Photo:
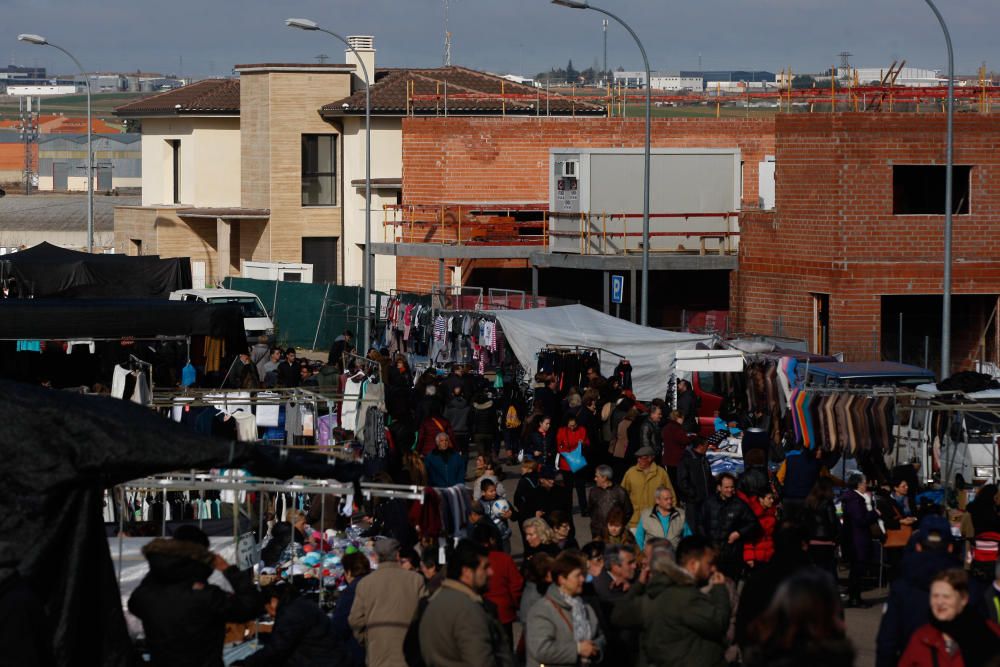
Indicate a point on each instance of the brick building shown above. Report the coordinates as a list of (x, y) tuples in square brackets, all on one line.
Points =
[(498, 160), (856, 237)]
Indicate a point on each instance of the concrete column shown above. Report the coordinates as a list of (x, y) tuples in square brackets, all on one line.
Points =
[(607, 292), (633, 290), (222, 243), (534, 282), (441, 272)]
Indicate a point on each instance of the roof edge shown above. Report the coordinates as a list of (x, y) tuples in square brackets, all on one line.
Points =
[(260, 68)]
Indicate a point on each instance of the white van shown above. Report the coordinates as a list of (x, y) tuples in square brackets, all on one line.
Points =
[(255, 318), (969, 445)]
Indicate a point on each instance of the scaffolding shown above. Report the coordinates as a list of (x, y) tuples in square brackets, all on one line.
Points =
[(468, 223), (886, 95)]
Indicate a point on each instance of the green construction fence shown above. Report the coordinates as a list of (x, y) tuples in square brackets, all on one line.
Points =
[(311, 315)]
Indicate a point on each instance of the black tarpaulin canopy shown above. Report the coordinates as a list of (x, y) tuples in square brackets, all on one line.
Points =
[(46, 271), (60, 450), (71, 319)]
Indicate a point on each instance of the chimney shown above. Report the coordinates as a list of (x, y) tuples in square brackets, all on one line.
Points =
[(365, 46)]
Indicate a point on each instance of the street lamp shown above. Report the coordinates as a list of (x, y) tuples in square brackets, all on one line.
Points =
[(949, 144), (367, 268), (41, 41), (576, 4)]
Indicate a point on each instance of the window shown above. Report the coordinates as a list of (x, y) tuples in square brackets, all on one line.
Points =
[(319, 169), (706, 382), (821, 323), (919, 189), (175, 168), (250, 306)]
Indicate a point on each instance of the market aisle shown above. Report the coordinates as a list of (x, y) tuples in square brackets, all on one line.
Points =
[(862, 624)]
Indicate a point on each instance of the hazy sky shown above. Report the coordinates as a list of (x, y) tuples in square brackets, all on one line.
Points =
[(520, 36)]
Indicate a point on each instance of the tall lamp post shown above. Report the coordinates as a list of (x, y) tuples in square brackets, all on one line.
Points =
[(41, 41), (644, 295), (367, 265), (949, 145)]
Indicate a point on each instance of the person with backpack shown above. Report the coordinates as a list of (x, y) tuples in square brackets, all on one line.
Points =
[(430, 427), (513, 408)]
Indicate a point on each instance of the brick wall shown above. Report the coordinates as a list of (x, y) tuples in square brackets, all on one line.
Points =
[(507, 159), (833, 230)]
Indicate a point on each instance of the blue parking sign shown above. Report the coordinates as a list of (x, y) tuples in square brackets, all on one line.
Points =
[(617, 288)]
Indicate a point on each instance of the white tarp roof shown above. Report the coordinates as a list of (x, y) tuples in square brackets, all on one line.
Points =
[(650, 351)]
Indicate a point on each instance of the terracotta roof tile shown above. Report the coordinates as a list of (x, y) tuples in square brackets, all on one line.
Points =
[(209, 96), (389, 95)]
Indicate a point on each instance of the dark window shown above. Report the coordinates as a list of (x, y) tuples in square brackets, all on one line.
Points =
[(706, 381), (319, 169), (321, 252), (175, 159), (919, 189), (821, 323)]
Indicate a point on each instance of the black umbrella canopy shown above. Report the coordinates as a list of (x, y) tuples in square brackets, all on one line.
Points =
[(60, 450)]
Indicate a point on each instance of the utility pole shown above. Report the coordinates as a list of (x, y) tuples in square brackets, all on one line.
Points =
[(604, 75), (29, 135)]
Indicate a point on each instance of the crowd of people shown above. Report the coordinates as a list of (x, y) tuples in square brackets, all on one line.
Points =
[(682, 566)]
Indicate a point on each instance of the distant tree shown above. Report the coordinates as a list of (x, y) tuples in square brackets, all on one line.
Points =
[(803, 81), (571, 73)]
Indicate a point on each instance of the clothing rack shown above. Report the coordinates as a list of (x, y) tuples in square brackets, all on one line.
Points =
[(872, 392), (99, 339), (195, 481), (370, 363), (481, 314), (136, 361), (580, 348), (404, 491)]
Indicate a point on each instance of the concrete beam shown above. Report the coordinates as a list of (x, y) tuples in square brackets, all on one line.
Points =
[(544, 260), (222, 239)]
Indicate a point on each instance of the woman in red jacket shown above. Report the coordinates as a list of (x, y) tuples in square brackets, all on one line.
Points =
[(956, 636), (761, 550), (568, 438)]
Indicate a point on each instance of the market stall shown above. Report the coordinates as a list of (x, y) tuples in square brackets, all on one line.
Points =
[(47, 271), (650, 351)]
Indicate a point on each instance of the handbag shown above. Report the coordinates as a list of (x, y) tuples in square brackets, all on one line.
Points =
[(575, 459)]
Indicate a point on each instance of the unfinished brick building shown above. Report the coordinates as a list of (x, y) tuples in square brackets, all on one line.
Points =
[(851, 256), (452, 165)]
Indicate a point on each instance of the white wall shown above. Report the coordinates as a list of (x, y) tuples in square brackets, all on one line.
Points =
[(387, 162), (210, 161)]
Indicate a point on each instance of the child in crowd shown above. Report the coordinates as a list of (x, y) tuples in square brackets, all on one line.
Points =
[(486, 469), (615, 531), (498, 510)]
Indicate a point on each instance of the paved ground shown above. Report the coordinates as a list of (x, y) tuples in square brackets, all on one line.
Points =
[(862, 624)]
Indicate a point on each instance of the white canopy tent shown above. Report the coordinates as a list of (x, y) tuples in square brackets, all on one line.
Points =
[(650, 351)]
